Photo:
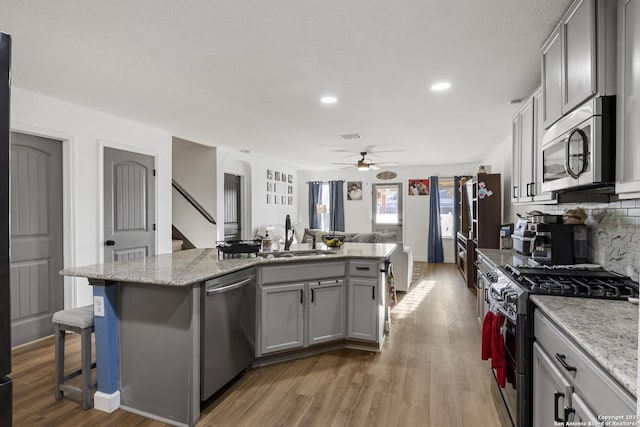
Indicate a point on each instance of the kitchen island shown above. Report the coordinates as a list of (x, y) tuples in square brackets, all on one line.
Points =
[(150, 332)]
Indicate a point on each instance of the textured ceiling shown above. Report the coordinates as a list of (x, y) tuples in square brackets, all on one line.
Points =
[(248, 74)]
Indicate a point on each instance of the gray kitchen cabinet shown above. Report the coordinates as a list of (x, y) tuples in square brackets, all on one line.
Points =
[(538, 133), (582, 413), (628, 125), (282, 317), (552, 78), (327, 311), (578, 58), (363, 309), (527, 132), (564, 373), (523, 178), (551, 390)]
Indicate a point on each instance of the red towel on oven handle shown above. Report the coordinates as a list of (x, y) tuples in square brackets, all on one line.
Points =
[(498, 354), (487, 328)]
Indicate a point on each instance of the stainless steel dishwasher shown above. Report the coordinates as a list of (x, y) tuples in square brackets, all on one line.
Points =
[(228, 329)]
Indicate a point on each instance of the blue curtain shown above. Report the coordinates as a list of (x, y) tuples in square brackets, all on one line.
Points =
[(315, 197), (336, 201), (435, 252), (456, 214)]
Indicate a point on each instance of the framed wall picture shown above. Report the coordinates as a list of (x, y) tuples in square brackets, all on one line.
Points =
[(290, 179), (283, 177), (290, 200), (419, 187), (354, 190), (283, 200), (290, 189), (269, 186), (277, 176), (269, 198), (269, 174)]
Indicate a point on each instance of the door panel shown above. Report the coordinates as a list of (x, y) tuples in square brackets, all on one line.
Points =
[(129, 205), (36, 236), (387, 209)]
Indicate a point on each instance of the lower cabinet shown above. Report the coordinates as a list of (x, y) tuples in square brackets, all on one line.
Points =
[(551, 391), (282, 318), (327, 311), (363, 309), (296, 315), (568, 385)]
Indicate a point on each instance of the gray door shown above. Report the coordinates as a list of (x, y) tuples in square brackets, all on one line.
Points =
[(232, 212), (387, 209), (37, 289), (129, 205)]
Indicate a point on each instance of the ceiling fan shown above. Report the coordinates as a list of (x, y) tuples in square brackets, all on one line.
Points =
[(365, 164)]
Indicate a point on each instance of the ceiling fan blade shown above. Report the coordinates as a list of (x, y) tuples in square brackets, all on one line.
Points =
[(375, 168), (386, 163), (343, 163)]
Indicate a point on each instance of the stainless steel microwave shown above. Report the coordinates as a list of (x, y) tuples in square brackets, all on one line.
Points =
[(579, 150)]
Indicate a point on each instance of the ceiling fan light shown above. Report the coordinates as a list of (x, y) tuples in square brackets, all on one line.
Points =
[(363, 166)]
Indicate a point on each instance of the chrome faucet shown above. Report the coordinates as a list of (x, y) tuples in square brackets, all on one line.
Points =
[(287, 228)]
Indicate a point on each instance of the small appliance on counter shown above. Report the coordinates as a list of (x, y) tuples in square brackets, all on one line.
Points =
[(560, 244), (506, 241), (523, 238)]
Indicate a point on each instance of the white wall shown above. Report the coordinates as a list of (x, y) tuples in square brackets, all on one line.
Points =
[(253, 170), (85, 132), (358, 213), (194, 168)]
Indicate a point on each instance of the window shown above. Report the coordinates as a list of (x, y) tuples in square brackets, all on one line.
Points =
[(447, 190), (324, 208)]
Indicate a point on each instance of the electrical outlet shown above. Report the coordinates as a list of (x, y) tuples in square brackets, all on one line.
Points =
[(98, 306)]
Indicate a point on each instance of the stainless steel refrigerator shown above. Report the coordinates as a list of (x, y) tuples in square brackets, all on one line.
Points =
[(6, 385)]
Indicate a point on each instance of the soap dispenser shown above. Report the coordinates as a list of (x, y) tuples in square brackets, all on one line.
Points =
[(266, 242)]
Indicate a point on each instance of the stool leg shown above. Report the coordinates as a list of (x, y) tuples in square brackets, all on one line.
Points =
[(59, 344), (86, 368)]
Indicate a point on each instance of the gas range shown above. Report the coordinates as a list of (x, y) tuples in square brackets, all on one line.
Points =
[(508, 295)]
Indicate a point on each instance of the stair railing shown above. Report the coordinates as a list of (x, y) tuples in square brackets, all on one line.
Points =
[(189, 198)]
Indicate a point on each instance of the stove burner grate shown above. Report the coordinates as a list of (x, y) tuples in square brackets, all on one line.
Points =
[(573, 282)]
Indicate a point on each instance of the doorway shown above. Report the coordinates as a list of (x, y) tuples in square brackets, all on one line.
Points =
[(129, 205), (387, 209), (37, 290), (232, 207)]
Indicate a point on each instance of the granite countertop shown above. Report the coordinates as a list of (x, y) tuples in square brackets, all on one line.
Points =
[(612, 342), (191, 266), (502, 257)]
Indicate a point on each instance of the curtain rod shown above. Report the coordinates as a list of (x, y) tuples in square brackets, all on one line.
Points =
[(324, 182)]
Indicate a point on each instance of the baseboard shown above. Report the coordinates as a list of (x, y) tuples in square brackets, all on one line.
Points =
[(106, 402)]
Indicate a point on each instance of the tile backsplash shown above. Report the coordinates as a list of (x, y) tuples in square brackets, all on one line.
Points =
[(614, 232)]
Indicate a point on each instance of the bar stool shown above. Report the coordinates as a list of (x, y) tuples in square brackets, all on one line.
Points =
[(80, 321)]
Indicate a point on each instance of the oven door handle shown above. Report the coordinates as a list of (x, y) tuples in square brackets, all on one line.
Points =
[(507, 314)]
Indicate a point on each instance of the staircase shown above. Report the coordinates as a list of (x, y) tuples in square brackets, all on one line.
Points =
[(176, 245)]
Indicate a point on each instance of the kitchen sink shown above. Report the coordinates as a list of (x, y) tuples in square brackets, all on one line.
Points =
[(296, 254)]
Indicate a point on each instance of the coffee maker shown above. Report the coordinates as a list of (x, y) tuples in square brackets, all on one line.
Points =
[(559, 244)]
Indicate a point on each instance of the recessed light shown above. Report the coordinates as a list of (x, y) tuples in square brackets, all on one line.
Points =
[(440, 86), (328, 99)]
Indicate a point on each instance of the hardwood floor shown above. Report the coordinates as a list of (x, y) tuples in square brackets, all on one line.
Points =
[(428, 374)]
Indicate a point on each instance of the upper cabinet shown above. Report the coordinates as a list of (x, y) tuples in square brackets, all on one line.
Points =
[(578, 58), (527, 131), (522, 161), (552, 78), (628, 125)]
